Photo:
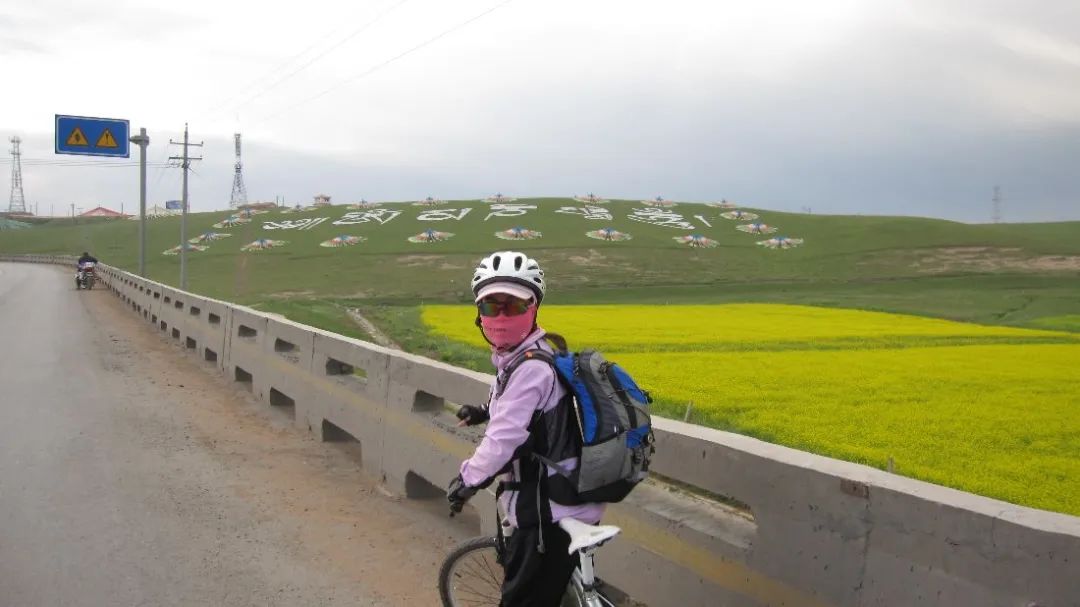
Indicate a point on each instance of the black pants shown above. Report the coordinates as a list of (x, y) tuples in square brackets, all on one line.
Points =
[(533, 579)]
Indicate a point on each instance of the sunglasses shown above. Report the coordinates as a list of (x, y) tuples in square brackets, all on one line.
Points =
[(512, 306)]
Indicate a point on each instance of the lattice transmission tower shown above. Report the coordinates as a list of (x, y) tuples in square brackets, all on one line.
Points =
[(239, 192), (18, 199)]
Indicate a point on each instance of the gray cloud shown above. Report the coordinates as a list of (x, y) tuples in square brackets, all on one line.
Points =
[(921, 112)]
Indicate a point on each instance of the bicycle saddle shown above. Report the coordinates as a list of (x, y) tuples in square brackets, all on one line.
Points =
[(583, 535)]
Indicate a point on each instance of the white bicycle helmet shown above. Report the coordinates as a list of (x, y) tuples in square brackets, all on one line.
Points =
[(511, 267)]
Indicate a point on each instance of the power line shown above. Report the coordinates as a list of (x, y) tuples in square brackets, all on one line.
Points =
[(84, 164), (380, 66), (326, 52), (277, 67)]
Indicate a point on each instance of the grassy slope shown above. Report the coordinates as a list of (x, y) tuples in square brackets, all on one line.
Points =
[(875, 263), (880, 263)]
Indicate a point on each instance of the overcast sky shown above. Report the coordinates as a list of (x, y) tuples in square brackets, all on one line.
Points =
[(915, 107)]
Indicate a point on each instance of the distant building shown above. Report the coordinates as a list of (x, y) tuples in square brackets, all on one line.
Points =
[(158, 211), (322, 200), (102, 212)]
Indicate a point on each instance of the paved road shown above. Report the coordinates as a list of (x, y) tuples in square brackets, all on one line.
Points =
[(131, 476)]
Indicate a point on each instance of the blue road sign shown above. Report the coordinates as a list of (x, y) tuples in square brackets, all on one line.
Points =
[(91, 136)]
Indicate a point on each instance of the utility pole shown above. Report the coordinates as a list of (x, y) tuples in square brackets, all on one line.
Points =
[(186, 166), (142, 141), (997, 204)]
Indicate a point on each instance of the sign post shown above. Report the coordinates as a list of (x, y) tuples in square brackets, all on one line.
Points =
[(142, 141)]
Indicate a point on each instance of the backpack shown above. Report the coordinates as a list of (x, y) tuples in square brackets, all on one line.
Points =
[(612, 420)]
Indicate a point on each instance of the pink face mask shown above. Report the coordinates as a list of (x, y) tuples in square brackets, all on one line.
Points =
[(506, 332)]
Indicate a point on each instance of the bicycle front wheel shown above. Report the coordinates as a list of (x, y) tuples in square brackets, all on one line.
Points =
[(471, 575)]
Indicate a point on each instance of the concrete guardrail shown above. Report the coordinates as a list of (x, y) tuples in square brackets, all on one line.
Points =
[(819, 532)]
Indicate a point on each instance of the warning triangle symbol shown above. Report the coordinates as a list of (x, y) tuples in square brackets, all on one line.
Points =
[(106, 140), (77, 138)]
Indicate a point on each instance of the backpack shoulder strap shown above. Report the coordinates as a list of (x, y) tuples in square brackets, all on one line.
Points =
[(520, 359)]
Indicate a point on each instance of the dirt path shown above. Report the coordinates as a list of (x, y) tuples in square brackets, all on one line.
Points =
[(369, 327)]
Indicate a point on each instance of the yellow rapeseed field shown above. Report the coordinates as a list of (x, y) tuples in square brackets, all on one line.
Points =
[(998, 414)]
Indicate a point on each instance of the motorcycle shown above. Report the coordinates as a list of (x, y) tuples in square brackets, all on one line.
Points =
[(86, 276)]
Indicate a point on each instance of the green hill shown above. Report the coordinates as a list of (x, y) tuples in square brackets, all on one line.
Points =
[(874, 389), (1004, 273)]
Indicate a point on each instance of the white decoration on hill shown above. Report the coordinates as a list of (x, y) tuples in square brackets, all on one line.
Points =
[(509, 210), (588, 212), (379, 216), (443, 214)]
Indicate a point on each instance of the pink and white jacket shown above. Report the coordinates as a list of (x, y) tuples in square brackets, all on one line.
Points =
[(532, 387)]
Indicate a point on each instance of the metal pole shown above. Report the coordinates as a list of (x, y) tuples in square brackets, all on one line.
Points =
[(183, 218), (142, 141)]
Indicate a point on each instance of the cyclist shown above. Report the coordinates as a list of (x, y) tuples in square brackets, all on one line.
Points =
[(527, 412), (86, 258)]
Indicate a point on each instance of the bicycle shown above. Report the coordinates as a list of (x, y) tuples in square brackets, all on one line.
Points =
[(471, 575)]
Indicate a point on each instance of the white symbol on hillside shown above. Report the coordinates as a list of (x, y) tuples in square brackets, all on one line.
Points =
[(661, 217), (188, 246), (208, 237), (587, 212), (379, 216), (781, 242), (363, 205), (518, 234), (231, 221), (429, 236), (499, 199), (609, 234), (262, 244), (659, 203), (696, 241), (590, 198), (756, 228), (723, 204), (509, 210), (342, 241), (294, 224), (443, 214)]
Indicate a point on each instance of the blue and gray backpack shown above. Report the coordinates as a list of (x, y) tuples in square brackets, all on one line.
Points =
[(611, 419)]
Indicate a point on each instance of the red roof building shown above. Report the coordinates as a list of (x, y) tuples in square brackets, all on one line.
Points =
[(102, 212)]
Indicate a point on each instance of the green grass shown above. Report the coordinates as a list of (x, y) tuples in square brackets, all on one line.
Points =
[(1009, 275), (982, 273), (327, 315), (1068, 322)]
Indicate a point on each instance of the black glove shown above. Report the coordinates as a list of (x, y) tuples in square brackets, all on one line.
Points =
[(473, 415), (458, 493)]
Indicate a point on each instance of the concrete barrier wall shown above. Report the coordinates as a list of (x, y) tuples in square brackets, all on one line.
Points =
[(818, 531)]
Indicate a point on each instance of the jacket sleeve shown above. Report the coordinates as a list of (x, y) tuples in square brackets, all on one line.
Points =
[(526, 391)]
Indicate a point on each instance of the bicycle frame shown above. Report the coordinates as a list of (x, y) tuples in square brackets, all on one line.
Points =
[(584, 578), (583, 589)]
